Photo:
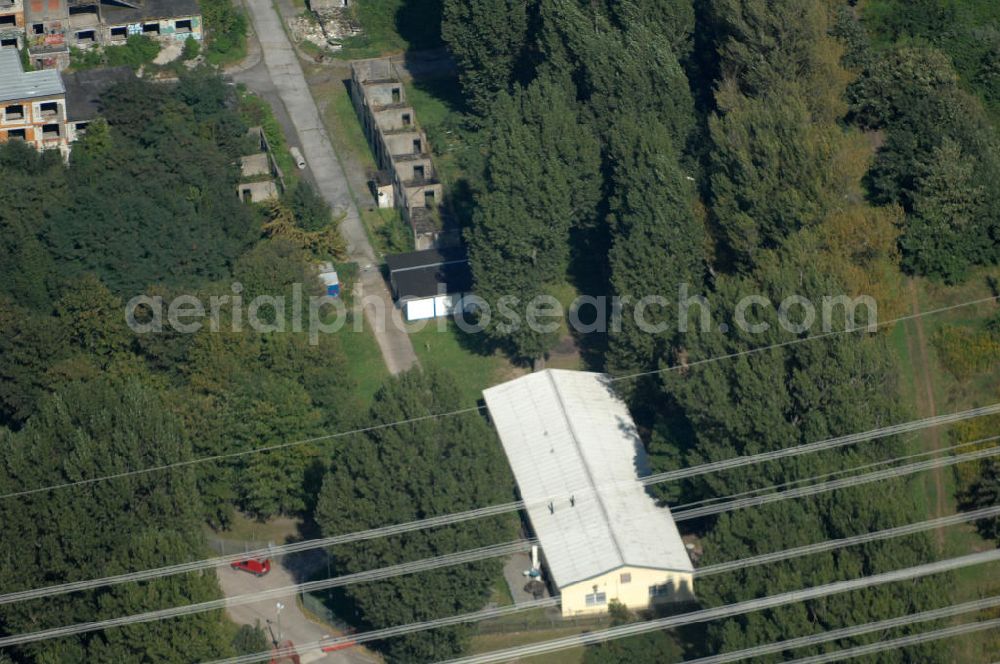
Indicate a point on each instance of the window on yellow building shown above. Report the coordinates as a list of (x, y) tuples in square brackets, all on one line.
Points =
[(660, 590), (596, 599), (626, 577)]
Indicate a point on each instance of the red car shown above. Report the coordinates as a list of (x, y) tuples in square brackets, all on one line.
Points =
[(254, 566)]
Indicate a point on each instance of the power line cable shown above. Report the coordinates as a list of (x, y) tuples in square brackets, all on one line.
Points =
[(801, 340), (901, 642), (424, 565), (848, 632), (822, 445), (388, 632), (269, 552), (723, 658), (682, 514), (704, 615), (492, 510), (342, 434), (233, 455), (486, 614), (837, 473), (830, 545), (359, 577)]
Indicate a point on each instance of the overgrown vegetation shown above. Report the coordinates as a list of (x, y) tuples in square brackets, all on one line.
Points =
[(968, 31), (226, 26), (939, 161), (133, 213), (967, 352), (393, 26), (733, 156), (255, 112), (138, 50), (192, 47), (435, 466)]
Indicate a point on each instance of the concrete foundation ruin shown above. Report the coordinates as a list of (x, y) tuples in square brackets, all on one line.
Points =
[(401, 151)]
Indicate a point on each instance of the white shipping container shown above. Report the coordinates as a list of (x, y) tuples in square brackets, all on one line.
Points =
[(419, 309)]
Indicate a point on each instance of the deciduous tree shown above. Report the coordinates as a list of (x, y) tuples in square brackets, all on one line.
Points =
[(128, 523)]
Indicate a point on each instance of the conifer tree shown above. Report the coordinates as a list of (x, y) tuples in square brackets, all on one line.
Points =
[(657, 242), (778, 399), (542, 181), (395, 474), (487, 38)]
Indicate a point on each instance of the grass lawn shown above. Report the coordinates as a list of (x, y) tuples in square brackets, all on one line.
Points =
[(311, 49), (364, 359), (501, 592), (487, 642), (950, 395), (343, 124), (437, 103), (236, 54), (247, 529), (440, 343), (391, 26)]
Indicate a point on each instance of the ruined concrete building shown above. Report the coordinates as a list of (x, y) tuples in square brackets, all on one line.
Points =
[(50, 27), (83, 95), (408, 180), (34, 105), (11, 23), (47, 109), (325, 5), (261, 179)]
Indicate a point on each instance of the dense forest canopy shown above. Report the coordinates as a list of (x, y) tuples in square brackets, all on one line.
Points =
[(781, 148), (428, 468), (719, 148), (83, 395)]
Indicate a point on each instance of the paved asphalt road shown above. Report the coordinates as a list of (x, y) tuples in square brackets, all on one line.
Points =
[(280, 78), (273, 71), (294, 624)]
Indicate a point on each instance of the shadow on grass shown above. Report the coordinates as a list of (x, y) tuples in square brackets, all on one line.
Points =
[(445, 88), (418, 22), (588, 273)]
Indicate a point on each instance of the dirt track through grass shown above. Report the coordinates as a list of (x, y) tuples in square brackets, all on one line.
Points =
[(925, 403)]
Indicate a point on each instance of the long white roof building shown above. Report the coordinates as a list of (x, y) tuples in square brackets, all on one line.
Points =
[(577, 459)]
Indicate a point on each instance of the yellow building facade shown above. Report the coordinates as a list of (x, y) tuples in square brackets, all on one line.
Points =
[(637, 588), (577, 458)]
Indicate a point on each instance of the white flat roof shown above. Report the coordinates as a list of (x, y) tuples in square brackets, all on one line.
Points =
[(577, 458), (17, 84)]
